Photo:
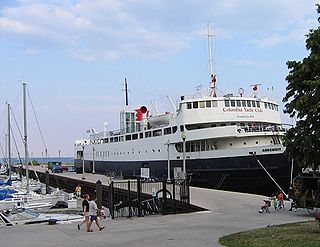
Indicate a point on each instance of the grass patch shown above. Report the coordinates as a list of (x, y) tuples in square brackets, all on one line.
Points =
[(305, 234)]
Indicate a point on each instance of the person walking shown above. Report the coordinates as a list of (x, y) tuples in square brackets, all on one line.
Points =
[(85, 211), (93, 211)]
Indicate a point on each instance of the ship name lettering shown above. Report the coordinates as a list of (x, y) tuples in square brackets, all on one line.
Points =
[(245, 116), (271, 149), (248, 110), (228, 109)]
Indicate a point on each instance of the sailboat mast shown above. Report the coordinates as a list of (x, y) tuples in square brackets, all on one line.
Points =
[(25, 135), (212, 87), (9, 141)]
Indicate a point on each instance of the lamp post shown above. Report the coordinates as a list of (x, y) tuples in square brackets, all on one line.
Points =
[(184, 137), (168, 145), (93, 166), (83, 177)]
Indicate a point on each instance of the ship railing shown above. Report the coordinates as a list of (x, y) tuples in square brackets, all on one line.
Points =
[(262, 128)]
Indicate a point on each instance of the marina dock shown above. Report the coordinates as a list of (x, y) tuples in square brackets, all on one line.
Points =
[(228, 212)]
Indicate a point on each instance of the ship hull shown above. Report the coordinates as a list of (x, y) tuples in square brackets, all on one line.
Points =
[(241, 174)]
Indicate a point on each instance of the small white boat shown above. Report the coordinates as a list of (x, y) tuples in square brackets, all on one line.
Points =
[(34, 205), (33, 200), (27, 216)]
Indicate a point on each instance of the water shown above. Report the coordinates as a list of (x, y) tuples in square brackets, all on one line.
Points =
[(45, 160)]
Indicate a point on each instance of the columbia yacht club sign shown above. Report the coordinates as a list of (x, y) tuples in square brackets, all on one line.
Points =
[(241, 109)]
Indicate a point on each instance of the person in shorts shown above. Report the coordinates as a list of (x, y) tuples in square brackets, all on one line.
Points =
[(93, 212)]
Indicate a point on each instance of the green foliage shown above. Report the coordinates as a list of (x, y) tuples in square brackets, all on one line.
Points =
[(34, 163), (303, 102), (288, 235)]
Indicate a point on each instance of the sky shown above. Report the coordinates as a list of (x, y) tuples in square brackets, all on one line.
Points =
[(75, 54)]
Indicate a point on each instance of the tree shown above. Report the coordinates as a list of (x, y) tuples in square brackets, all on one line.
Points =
[(303, 102)]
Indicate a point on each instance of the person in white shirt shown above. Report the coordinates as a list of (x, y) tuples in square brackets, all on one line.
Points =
[(93, 212)]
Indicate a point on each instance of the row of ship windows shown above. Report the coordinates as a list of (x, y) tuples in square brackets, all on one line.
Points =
[(141, 135), (108, 153), (203, 145), (250, 103), (172, 130), (202, 104), (232, 103), (192, 146)]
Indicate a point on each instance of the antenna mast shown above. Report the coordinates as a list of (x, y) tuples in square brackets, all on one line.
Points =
[(212, 87), (126, 90)]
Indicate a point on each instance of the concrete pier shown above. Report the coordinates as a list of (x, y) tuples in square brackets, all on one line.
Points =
[(229, 212)]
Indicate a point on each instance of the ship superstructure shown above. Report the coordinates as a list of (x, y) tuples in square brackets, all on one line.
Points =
[(221, 136)]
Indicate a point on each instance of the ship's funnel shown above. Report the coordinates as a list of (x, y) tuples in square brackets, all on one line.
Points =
[(143, 109)]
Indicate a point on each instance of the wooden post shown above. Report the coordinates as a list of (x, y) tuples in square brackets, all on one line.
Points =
[(129, 200), (47, 181), (174, 196), (99, 193), (139, 197), (164, 197), (110, 201)]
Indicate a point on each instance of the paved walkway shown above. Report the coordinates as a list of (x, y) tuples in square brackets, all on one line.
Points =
[(228, 213)]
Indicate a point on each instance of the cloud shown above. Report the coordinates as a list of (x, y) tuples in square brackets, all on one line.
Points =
[(253, 63), (90, 30), (295, 35)]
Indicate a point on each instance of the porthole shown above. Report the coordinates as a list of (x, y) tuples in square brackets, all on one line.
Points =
[(257, 142), (244, 143), (230, 144)]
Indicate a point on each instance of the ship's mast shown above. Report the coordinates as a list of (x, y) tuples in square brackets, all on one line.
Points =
[(212, 87), (126, 90)]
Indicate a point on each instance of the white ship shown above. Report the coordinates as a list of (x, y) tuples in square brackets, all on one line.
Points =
[(230, 142)]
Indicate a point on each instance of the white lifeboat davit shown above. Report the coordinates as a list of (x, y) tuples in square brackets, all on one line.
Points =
[(160, 120)]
